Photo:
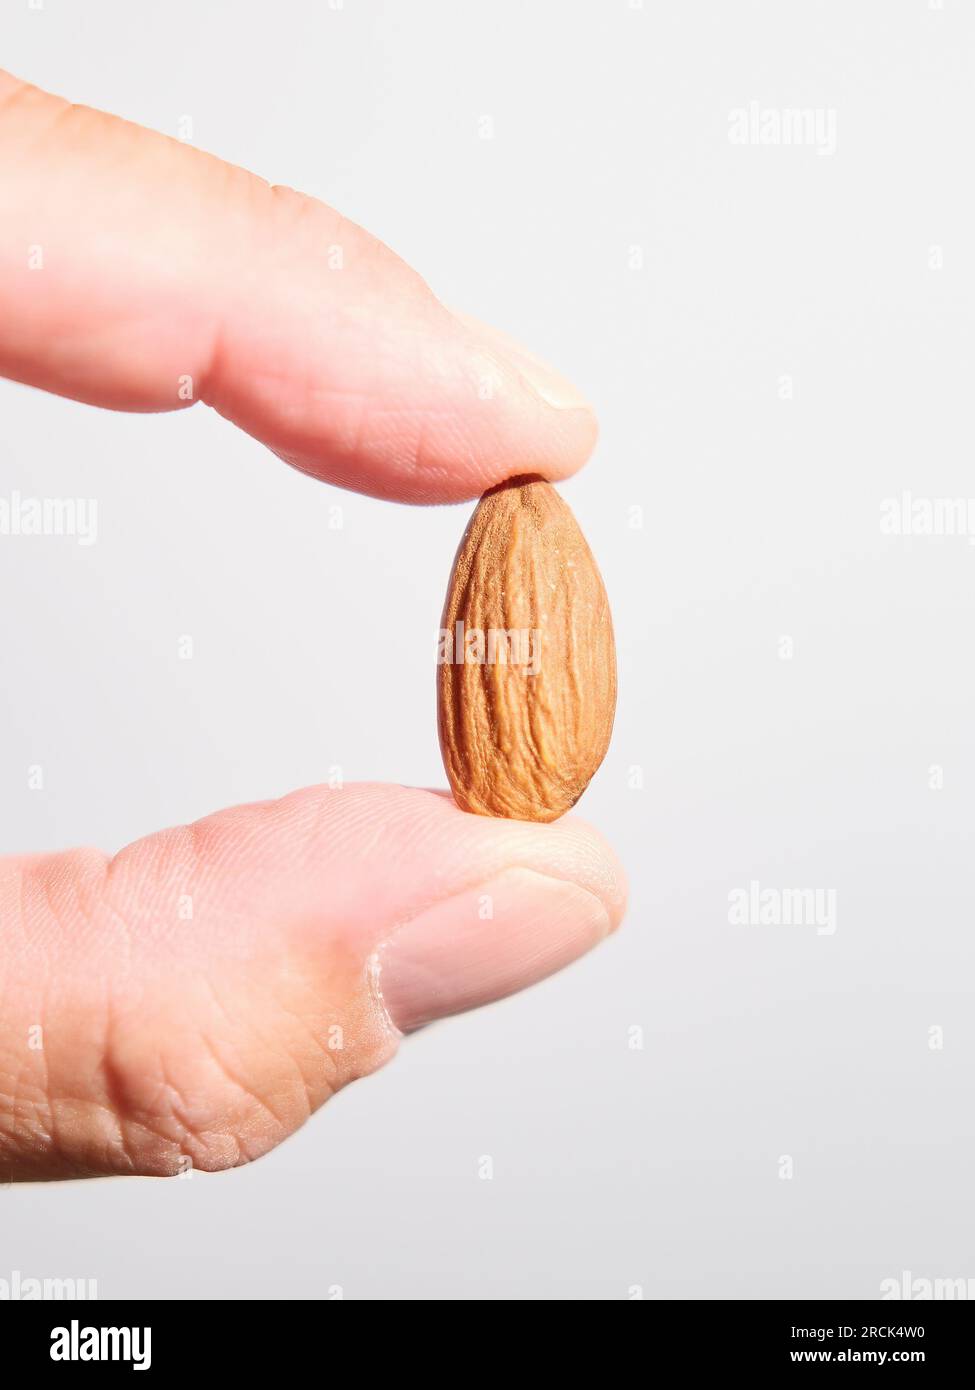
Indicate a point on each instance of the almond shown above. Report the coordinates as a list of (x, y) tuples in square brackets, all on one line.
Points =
[(527, 660)]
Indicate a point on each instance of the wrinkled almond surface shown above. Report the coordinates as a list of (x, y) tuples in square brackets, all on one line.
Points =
[(527, 661)]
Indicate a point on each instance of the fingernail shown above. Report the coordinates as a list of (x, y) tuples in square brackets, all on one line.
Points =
[(545, 381), (484, 944), (552, 386)]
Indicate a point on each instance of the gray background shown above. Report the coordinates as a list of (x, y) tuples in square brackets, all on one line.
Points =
[(615, 1167)]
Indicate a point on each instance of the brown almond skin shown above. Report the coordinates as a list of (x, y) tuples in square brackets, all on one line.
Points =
[(517, 744)]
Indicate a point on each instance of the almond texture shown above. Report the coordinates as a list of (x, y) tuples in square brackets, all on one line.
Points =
[(527, 660)]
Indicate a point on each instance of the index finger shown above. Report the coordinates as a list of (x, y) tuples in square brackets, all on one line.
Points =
[(138, 273)]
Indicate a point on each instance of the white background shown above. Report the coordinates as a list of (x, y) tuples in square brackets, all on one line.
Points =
[(614, 1167)]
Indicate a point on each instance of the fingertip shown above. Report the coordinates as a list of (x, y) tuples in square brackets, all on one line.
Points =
[(559, 424), (568, 849)]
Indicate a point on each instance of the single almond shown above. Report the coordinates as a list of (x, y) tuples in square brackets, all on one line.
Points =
[(527, 661)]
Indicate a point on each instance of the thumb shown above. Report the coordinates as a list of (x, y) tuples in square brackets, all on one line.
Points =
[(194, 999)]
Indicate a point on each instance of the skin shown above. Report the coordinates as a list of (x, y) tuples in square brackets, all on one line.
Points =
[(135, 1038)]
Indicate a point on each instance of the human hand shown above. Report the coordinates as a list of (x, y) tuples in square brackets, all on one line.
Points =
[(194, 998)]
